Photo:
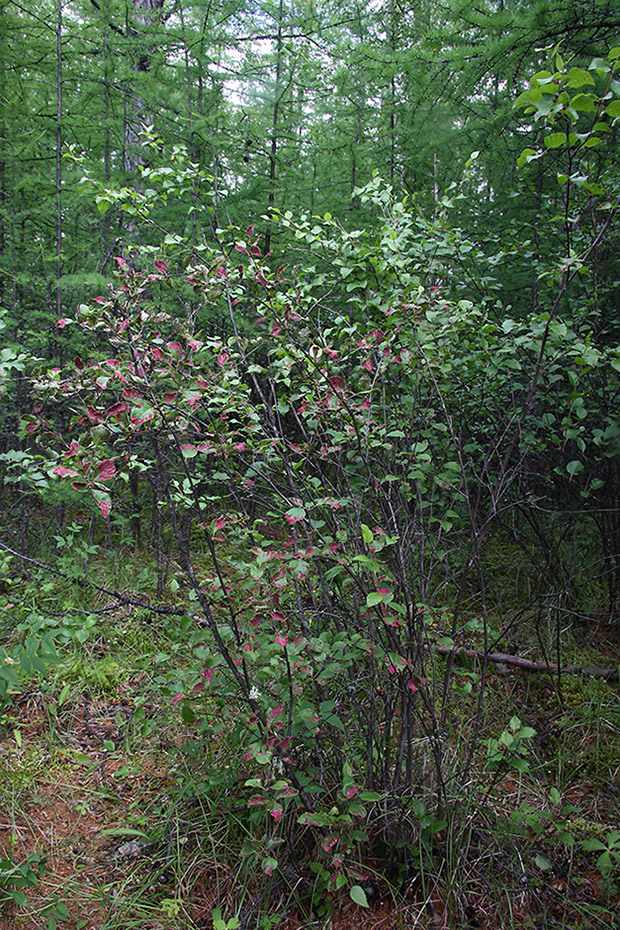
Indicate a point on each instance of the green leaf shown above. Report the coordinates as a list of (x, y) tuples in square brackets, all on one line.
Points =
[(542, 862), (593, 845), (583, 102), (613, 108), (555, 140), (367, 534), (599, 64), (358, 895), (577, 77)]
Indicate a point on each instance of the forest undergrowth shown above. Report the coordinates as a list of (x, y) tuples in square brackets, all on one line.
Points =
[(118, 812)]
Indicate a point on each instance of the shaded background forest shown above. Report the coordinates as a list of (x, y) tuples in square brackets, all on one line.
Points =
[(286, 105)]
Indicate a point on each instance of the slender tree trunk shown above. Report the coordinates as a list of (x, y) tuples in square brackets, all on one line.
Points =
[(274, 122), (58, 296), (358, 128), (190, 118)]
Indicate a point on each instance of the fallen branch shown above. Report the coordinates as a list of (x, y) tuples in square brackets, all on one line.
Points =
[(122, 599), (502, 658)]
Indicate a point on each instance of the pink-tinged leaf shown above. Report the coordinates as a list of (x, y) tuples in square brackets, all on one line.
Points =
[(222, 359), (367, 364), (281, 640), (123, 325), (178, 697), (220, 271), (157, 354), (79, 364), (74, 449), (103, 502), (188, 450), (79, 485), (351, 792), (93, 415), (207, 674), (276, 811), (161, 267), (31, 427), (412, 685), (175, 348), (261, 279), (336, 382), (195, 344), (121, 262), (106, 470), (64, 472), (220, 522), (62, 323), (275, 712), (141, 413), (116, 409), (241, 248)]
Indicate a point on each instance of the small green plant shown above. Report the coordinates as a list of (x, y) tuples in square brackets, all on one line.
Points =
[(608, 861), (15, 876), (220, 924), (509, 751)]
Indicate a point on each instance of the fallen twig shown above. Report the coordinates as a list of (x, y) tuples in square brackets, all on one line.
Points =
[(502, 658)]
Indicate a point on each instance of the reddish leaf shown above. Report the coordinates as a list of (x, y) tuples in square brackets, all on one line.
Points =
[(116, 409), (106, 470), (161, 267), (64, 472), (103, 502)]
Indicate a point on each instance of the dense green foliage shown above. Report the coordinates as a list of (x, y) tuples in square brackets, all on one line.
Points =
[(345, 367)]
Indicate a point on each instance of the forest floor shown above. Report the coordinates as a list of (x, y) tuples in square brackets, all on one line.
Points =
[(102, 824)]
